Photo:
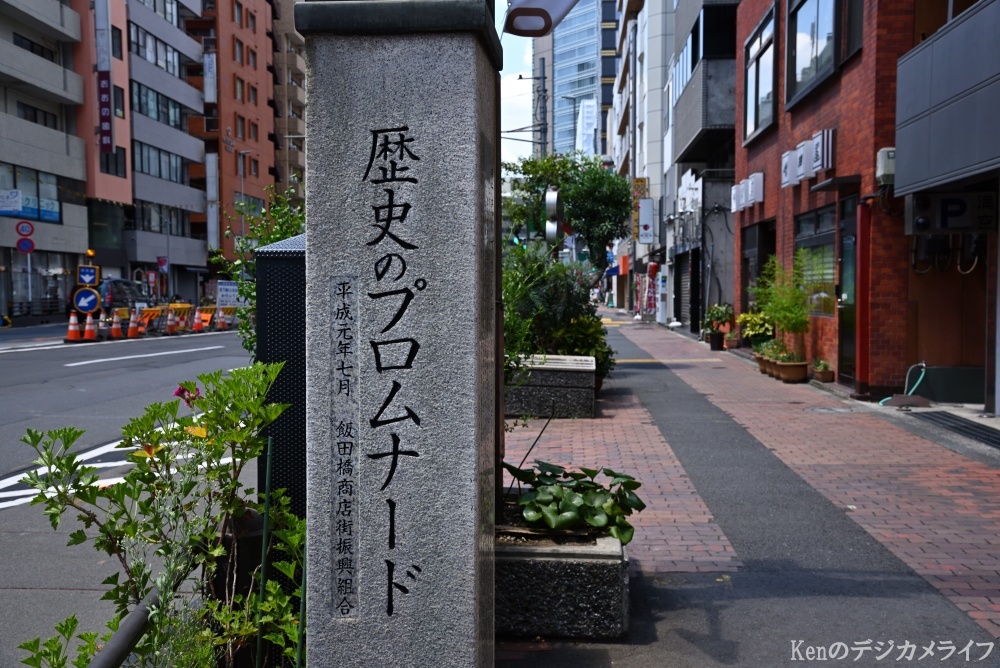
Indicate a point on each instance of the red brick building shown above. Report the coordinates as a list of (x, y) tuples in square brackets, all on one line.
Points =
[(816, 104), (238, 125)]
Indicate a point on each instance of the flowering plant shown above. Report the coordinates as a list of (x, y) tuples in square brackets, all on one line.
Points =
[(173, 524)]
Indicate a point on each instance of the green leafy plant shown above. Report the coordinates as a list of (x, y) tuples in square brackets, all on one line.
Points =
[(174, 521), (547, 310), (278, 221), (561, 499), (782, 296), (821, 365), (717, 316), (772, 349), (754, 325), (597, 201)]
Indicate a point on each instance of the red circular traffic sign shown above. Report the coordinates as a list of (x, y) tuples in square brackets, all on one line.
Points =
[(25, 245), (24, 228)]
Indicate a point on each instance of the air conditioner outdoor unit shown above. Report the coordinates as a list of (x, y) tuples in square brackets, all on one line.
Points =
[(885, 166)]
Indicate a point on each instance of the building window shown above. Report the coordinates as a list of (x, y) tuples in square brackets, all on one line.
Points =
[(116, 42), (151, 104), (759, 92), (811, 41), (241, 127), (239, 89), (254, 167), (39, 192), (718, 32), (252, 58), (155, 162), (160, 218), (119, 102), (815, 236), (34, 47), (252, 21), (153, 50), (114, 163), (853, 19), (238, 51), (253, 130), (238, 12), (36, 115), (253, 95)]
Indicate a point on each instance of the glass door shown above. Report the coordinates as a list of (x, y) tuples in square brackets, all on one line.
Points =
[(846, 306)]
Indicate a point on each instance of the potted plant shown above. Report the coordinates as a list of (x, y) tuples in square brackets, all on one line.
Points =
[(755, 327), (563, 518), (732, 340), (786, 300), (822, 371), (790, 370), (718, 318)]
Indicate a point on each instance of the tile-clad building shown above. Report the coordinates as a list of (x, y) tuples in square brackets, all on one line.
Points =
[(237, 81), (42, 160), (161, 244), (815, 133), (290, 104), (948, 172)]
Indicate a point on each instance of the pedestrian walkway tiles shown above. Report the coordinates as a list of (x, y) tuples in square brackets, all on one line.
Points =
[(936, 510), (676, 532)]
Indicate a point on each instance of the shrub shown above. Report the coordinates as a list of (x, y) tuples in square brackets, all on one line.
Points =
[(169, 523), (547, 310)]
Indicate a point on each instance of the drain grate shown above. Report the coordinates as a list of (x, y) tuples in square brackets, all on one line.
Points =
[(961, 426)]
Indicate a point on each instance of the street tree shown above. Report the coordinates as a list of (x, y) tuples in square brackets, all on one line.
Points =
[(280, 219), (597, 201)]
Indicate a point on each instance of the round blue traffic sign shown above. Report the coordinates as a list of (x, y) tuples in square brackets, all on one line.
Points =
[(86, 300), (25, 245)]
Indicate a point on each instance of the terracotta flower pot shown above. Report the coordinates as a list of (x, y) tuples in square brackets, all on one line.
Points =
[(825, 376), (793, 372)]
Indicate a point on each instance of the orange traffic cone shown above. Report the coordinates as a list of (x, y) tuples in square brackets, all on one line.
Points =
[(182, 323), (196, 326), (116, 327), (73, 334), (220, 320), (133, 326), (171, 323), (90, 332)]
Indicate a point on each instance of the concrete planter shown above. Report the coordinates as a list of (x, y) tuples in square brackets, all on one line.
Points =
[(567, 381), (567, 591)]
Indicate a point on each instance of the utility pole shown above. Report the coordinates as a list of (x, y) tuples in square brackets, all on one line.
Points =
[(543, 125)]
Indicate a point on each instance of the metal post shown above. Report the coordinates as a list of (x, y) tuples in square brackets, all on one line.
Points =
[(243, 207)]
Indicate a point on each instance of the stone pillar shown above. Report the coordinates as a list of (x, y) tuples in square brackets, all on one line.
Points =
[(401, 240)]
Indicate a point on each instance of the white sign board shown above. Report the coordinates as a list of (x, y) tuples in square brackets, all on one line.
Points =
[(226, 294), (10, 201)]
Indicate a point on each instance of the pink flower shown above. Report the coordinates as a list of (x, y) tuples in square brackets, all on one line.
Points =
[(187, 395)]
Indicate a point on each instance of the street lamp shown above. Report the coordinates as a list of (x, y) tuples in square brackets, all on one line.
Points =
[(243, 203)]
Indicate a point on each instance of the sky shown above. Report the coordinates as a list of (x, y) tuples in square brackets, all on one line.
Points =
[(515, 96)]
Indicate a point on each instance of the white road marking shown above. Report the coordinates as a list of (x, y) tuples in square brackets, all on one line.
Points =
[(132, 357)]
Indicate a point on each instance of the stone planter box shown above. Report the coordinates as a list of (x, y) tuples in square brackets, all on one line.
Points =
[(566, 591), (567, 380)]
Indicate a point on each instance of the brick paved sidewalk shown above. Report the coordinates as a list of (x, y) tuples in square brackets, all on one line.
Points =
[(936, 510), (676, 532)]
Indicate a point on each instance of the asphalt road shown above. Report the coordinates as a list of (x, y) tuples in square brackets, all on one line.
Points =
[(45, 384)]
